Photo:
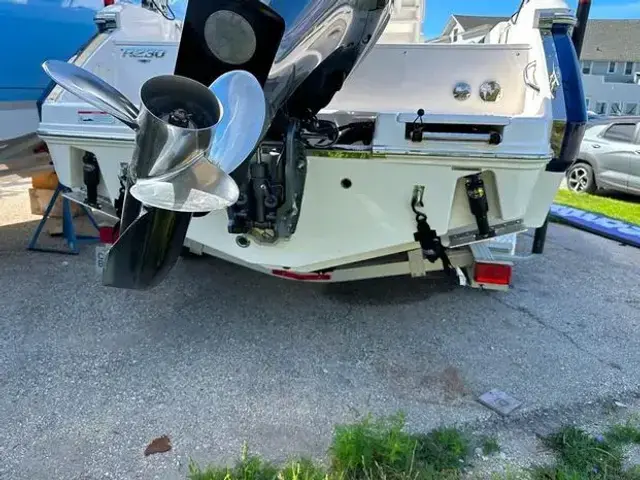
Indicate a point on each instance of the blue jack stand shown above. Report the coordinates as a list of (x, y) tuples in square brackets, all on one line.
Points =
[(68, 229)]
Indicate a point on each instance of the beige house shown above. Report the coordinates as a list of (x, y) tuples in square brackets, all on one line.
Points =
[(466, 29)]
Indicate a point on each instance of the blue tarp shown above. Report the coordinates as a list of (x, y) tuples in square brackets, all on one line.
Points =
[(602, 225), (32, 31)]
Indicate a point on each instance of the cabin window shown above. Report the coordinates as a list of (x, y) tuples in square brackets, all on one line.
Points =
[(601, 108), (628, 68), (615, 109), (455, 34), (630, 108), (586, 68), (621, 132), (612, 67)]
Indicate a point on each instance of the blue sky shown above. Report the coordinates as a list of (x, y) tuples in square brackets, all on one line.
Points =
[(438, 11)]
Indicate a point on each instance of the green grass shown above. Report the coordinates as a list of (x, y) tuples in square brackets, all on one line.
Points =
[(372, 449), (380, 449), (619, 209), (585, 457), (628, 433), (490, 446), (582, 456)]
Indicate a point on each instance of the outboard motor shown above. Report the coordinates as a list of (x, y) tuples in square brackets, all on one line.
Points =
[(245, 71)]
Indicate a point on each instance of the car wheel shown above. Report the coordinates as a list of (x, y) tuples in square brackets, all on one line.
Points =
[(580, 178)]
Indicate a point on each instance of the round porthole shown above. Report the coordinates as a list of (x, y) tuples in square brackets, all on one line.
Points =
[(345, 183)]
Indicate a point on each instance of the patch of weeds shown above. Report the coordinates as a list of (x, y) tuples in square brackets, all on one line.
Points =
[(624, 434), (490, 445), (583, 457), (372, 443), (249, 467), (444, 449), (381, 449), (556, 473), (254, 468), (372, 449), (303, 470)]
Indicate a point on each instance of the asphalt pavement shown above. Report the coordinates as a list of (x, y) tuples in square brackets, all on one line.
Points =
[(218, 355)]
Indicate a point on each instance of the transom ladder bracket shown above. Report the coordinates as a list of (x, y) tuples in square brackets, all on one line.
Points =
[(69, 234), (482, 252)]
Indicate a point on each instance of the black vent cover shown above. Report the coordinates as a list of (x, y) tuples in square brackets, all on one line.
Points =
[(223, 35)]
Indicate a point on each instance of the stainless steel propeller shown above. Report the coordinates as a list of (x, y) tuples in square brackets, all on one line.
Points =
[(228, 122), (188, 139)]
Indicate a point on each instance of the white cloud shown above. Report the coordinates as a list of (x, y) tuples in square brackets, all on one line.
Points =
[(617, 10)]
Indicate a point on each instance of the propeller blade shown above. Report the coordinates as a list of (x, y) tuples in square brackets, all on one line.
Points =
[(243, 121), (92, 89), (201, 187)]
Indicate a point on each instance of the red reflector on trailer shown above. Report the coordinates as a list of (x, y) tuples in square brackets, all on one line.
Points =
[(301, 276), (492, 273), (108, 234), (41, 148), (108, 2)]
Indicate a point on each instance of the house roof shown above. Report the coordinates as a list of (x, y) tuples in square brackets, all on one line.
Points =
[(612, 40), (438, 39), (605, 40), (471, 21), (482, 30), (471, 26)]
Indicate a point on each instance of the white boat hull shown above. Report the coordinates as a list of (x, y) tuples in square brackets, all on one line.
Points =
[(370, 219)]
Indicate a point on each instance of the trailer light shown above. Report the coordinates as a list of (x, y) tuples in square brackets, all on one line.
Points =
[(493, 273), (108, 234), (307, 277)]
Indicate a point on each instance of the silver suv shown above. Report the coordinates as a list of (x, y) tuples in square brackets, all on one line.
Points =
[(609, 157)]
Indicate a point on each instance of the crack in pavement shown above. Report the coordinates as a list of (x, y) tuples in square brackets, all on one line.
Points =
[(571, 340)]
